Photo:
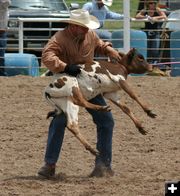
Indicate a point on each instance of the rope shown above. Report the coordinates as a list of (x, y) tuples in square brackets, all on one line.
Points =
[(166, 63)]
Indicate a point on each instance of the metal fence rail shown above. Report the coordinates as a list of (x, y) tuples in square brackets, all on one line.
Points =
[(21, 39)]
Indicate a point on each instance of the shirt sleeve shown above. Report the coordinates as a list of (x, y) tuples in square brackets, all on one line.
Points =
[(50, 56), (101, 46), (114, 15)]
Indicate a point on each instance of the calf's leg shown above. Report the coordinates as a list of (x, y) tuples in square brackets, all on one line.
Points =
[(127, 111), (74, 128), (72, 124), (114, 98), (71, 110), (79, 99), (124, 85)]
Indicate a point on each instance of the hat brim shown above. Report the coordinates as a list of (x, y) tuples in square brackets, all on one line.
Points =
[(107, 3), (92, 24)]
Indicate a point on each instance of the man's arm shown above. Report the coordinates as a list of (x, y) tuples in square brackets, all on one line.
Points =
[(140, 14), (50, 56), (105, 48), (114, 15)]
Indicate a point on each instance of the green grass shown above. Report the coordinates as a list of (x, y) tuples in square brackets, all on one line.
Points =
[(42, 70)]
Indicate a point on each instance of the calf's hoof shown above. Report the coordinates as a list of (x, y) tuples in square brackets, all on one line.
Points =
[(151, 114), (92, 151), (142, 130), (51, 114), (106, 108)]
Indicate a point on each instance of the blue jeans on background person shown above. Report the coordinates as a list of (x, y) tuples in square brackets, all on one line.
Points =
[(152, 46), (104, 34), (104, 122), (3, 42)]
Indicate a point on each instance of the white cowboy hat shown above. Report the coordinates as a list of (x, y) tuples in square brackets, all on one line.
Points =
[(82, 18), (107, 2)]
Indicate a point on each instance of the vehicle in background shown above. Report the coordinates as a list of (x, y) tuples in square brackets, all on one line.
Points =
[(36, 34), (169, 5), (172, 25)]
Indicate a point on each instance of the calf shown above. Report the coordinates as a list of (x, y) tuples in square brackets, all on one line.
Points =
[(67, 93)]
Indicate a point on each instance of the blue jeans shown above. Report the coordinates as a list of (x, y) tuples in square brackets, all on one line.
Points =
[(153, 47), (104, 122), (104, 34), (3, 41)]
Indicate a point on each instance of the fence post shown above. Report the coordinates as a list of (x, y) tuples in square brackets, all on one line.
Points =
[(126, 25), (21, 39)]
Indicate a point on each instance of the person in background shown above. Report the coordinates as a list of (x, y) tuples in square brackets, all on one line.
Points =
[(99, 9), (162, 4), (74, 45), (4, 4), (153, 13), (141, 5)]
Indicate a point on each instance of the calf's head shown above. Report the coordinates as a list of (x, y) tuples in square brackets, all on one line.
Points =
[(135, 62)]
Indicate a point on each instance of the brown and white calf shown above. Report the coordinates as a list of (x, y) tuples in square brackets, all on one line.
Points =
[(67, 93)]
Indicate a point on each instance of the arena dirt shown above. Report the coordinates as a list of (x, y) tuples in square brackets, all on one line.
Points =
[(141, 163)]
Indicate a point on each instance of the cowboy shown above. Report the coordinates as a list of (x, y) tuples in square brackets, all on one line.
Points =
[(74, 45), (99, 9)]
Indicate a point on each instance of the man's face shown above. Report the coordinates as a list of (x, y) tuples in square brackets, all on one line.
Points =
[(100, 3), (79, 32)]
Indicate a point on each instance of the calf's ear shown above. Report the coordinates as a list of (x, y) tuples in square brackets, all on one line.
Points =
[(131, 54)]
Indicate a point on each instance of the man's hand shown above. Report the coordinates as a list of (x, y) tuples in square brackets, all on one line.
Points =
[(72, 70), (114, 56)]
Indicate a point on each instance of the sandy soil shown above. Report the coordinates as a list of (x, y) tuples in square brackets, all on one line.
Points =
[(142, 164)]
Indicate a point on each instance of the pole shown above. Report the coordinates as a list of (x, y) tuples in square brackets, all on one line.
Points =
[(126, 25), (21, 39)]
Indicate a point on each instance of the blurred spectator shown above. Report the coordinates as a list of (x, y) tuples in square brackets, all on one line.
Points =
[(4, 4), (152, 13), (99, 9), (162, 4), (141, 5)]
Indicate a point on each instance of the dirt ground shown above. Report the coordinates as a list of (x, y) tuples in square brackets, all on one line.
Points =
[(141, 163)]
